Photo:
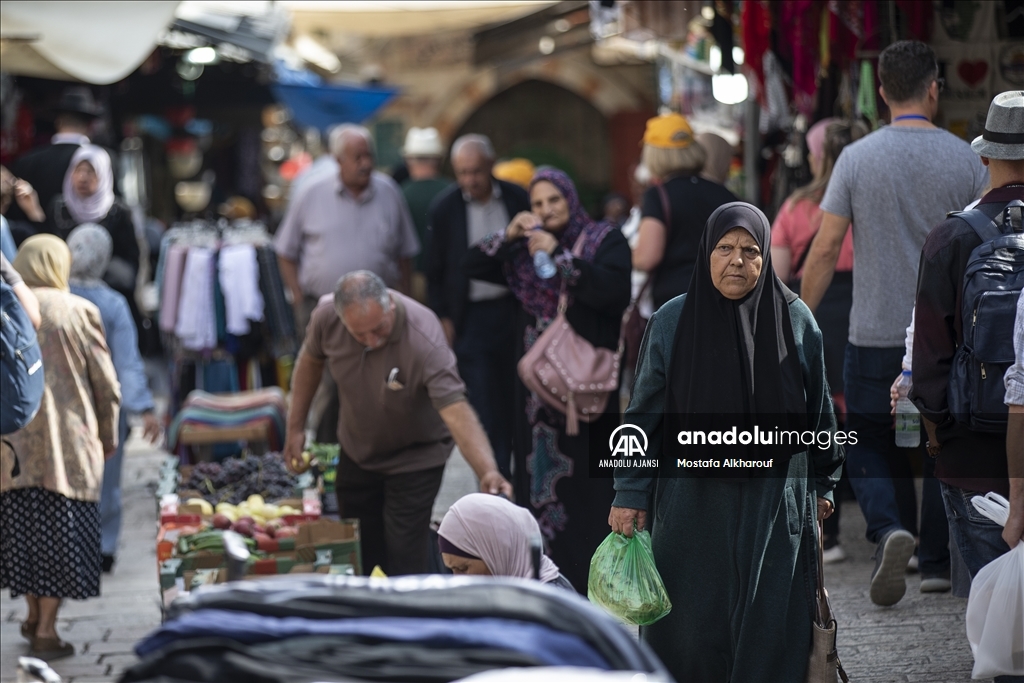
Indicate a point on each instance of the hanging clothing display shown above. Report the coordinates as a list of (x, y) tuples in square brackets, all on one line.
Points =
[(197, 326), (239, 281), (172, 267), (223, 313), (280, 319)]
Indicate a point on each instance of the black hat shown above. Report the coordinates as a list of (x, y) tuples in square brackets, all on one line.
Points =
[(78, 100)]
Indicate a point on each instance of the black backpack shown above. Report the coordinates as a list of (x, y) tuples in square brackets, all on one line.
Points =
[(21, 364), (992, 284)]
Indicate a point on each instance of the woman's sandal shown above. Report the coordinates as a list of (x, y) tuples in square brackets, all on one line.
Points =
[(28, 629), (51, 648)]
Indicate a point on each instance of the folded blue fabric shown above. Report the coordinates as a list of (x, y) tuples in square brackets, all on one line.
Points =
[(553, 648)]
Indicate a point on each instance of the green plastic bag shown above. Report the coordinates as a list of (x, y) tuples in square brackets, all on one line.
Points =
[(624, 581)]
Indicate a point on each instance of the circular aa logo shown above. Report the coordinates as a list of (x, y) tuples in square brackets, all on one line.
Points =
[(626, 441)]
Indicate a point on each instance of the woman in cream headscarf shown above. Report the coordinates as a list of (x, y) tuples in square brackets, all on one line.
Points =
[(487, 535), (50, 471)]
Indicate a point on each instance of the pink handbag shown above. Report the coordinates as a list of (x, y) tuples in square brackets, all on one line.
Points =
[(567, 372)]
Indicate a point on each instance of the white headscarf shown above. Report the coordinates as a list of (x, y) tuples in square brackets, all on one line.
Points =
[(498, 532), (96, 207), (91, 248)]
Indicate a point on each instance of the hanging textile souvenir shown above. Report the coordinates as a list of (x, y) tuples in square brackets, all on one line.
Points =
[(775, 112), (798, 41), (756, 22), (917, 18), (867, 106), (845, 30)]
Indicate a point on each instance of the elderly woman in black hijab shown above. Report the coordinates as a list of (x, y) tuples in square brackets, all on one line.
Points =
[(736, 546)]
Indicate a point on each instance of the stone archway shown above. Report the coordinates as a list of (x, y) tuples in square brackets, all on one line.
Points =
[(548, 124), (603, 88)]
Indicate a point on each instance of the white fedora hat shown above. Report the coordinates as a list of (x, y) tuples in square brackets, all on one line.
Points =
[(423, 142), (1004, 128)]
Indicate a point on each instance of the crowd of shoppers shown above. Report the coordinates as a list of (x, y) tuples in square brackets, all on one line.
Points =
[(403, 359)]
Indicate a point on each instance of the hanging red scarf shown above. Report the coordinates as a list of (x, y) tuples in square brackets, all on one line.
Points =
[(756, 22)]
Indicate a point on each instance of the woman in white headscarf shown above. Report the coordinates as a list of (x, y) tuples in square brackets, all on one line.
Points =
[(487, 535), (88, 197), (91, 248)]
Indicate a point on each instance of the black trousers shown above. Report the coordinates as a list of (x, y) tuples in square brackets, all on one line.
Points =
[(485, 347), (393, 512)]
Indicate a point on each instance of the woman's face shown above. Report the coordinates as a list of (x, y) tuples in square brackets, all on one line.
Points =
[(84, 180), (815, 163), (549, 206), (463, 566), (736, 264)]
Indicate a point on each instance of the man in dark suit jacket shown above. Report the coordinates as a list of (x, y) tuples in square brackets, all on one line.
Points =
[(478, 317), (44, 167)]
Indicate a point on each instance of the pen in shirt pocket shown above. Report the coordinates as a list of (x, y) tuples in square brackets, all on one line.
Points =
[(393, 384)]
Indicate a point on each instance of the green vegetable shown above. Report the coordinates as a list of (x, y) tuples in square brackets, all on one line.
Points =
[(211, 539), (326, 454), (625, 582)]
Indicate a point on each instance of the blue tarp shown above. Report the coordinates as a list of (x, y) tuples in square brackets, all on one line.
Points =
[(323, 106)]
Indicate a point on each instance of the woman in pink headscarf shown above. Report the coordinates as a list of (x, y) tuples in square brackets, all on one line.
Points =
[(792, 233), (88, 197), (485, 535)]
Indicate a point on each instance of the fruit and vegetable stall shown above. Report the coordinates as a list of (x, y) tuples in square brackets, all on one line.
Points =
[(279, 514)]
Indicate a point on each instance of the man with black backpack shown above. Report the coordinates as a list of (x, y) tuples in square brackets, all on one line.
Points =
[(970, 279)]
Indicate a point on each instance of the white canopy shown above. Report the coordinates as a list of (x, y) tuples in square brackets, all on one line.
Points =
[(93, 42), (383, 18)]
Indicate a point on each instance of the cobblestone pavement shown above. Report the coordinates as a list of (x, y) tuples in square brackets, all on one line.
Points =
[(921, 639)]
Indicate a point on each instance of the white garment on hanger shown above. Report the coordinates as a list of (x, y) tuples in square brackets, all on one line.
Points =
[(240, 283), (197, 323)]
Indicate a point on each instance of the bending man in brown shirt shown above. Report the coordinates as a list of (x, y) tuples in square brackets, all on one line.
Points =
[(403, 407)]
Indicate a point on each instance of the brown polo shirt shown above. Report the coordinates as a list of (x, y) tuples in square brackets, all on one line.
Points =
[(393, 429)]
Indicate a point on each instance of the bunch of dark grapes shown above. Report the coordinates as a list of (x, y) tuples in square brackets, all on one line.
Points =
[(235, 479)]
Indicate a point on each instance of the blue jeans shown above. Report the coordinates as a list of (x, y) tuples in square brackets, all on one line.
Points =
[(485, 348), (868, 374), (110, 494), (979, 540)]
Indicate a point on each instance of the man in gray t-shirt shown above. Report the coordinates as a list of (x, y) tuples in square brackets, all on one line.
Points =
[(893, 185)]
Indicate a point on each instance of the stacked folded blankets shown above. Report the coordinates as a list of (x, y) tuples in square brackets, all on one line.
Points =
[(203, 410)]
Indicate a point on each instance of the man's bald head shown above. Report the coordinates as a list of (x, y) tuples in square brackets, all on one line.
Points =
[(364, 304)]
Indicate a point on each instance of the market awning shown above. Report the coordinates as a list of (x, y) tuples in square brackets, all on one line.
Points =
[(382, 18), (323, 106), (93, 42)]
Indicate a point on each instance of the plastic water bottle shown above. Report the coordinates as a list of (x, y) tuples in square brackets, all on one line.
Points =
[(543, 265), (908, 418)]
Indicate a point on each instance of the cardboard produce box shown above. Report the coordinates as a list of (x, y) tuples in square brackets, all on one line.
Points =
[(320, 541)]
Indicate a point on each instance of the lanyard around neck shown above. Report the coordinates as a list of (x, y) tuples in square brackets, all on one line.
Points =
[(910, 117)]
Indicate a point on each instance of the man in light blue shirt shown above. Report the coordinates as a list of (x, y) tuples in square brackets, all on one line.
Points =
[(91, 249)]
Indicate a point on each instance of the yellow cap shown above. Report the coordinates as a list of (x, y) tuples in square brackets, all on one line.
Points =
[(668, 131), (519, 171)]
